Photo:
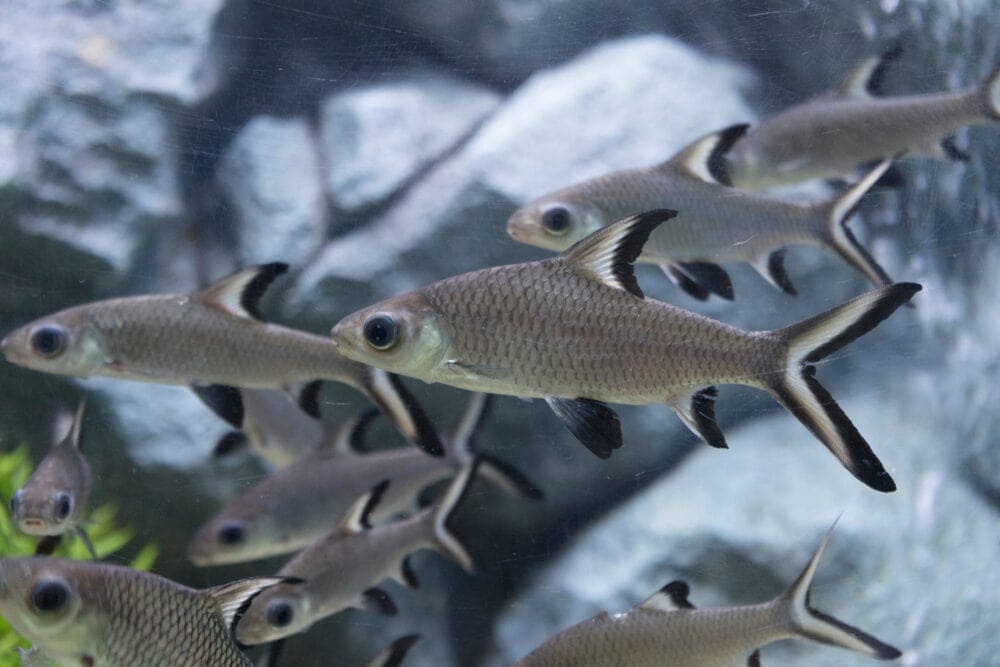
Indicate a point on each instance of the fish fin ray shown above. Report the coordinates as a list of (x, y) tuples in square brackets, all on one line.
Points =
[(839, 236), (444, 539), (672, 597), (378, 601), (234, 598), (230, 443), (684, 282), (704, 159), (711, 276), (47, 545), (772, 268), (867, 79), (394, 654), (592, 422), (239, 294), (357, 519), (225, 401), (697, 411), (392, 397), (608, 254)]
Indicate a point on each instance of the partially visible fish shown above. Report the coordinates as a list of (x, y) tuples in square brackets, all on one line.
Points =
[(342, 570), (716, 223), (577, 331), (835, 133), (666, 629), (85, 614), (214, 340), (54, 500), (292, 508), (394, 654)]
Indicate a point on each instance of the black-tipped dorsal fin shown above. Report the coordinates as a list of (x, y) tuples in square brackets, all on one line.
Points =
[(358, 517), (697, 411), (240, 293), (592, 422), (395, 653), (866, 80), (672, 597), (705, 158), (225, 401), (233, 598), (608, 254), (350, 437)]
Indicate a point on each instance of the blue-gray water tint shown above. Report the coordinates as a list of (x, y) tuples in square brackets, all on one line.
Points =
[(151, 148)]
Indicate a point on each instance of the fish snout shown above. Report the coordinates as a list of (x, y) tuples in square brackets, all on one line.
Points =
[(33, 526)]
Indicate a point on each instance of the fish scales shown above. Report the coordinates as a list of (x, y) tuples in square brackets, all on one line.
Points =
[(543, 330)]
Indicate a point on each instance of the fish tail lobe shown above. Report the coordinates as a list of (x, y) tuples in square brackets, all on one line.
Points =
[(839, 237), (823, 628), (444, 540), (797, 389), (991, 94)]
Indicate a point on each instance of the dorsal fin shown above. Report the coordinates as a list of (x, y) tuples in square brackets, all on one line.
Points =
[(672, 597), (867, 78), (358, 517), (705, 158), (608, 253), (74, 437), (234, 597), (350, 437), (240, 293)]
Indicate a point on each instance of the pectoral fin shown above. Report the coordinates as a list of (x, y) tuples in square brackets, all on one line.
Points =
[(592, 422)]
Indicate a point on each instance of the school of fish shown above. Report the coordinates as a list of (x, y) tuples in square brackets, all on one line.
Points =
[(574, 329)]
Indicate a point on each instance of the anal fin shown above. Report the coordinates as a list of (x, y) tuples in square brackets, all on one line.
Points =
[(592, 422), (772, 268), (685, 282), (697, 411)]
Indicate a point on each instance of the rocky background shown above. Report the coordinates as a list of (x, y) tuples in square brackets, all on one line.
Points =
[(155, 146)]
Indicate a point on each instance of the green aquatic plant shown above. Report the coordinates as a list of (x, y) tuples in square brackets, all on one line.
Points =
[(106, 536)]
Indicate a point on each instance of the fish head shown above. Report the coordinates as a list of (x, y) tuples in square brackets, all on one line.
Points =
[(556, 222), (64, 343), (43, 599), (44, 507), (405, 335), (277, 612), (234, 537)]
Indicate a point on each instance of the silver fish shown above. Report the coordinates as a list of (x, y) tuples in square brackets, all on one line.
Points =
[(666, 629), (717, 223), (834, 133), (54, 500), (213, 339), (292, 508), (95, 614), (577, 331), (341, 571)]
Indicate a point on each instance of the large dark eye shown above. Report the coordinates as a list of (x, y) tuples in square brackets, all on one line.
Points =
[(380, 332), (15, 502), (48, 341), (64, 505), (48, 595), (279, 614), (231, 534), (556, 220)]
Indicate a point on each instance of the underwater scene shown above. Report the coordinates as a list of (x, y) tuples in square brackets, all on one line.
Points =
[(508, 332)]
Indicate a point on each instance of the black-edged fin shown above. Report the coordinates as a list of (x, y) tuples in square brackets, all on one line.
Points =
[(389, 393), (705, 158), (378, 601), (349, 439), (593, 423), (697, 411), (47, 545), (809, 623), (677, 276), (75, 435), (672, 597), (358, 517), (442, 537), (395, 653), (230, 443), (234, 598), (240, 293), (952, 151), (839, 236), (710, 276), (225, 401), (772, 268), (867, 79), (82, 535), (609, 253), (308, 398), (754, 659), (507, 477), (270, 659), (406, 573)]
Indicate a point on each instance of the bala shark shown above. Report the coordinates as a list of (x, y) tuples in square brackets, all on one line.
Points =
[(214, 340), (577, 331), (666, 629), (834, 133), (717, 223)]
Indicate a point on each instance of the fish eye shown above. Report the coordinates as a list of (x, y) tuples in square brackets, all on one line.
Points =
[(556, 220), (15, 502), (48, 595), (64, 505), (279, 614), (48, 341), (231, 534), (380, 331)]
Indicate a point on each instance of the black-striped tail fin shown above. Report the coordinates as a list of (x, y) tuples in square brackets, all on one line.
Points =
[(798, 390), (817, 626)]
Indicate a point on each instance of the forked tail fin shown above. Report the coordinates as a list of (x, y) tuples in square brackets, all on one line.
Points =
[(817, 626), (443, 539), (798, 390), (840, 238)]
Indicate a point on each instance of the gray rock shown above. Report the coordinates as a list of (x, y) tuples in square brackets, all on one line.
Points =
[(375, 138), (739, 525), (271, 176)]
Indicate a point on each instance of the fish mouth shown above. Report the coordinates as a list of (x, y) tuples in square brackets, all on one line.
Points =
[(33, 526)]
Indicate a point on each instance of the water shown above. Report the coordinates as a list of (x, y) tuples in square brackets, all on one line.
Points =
[(152, 149)]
